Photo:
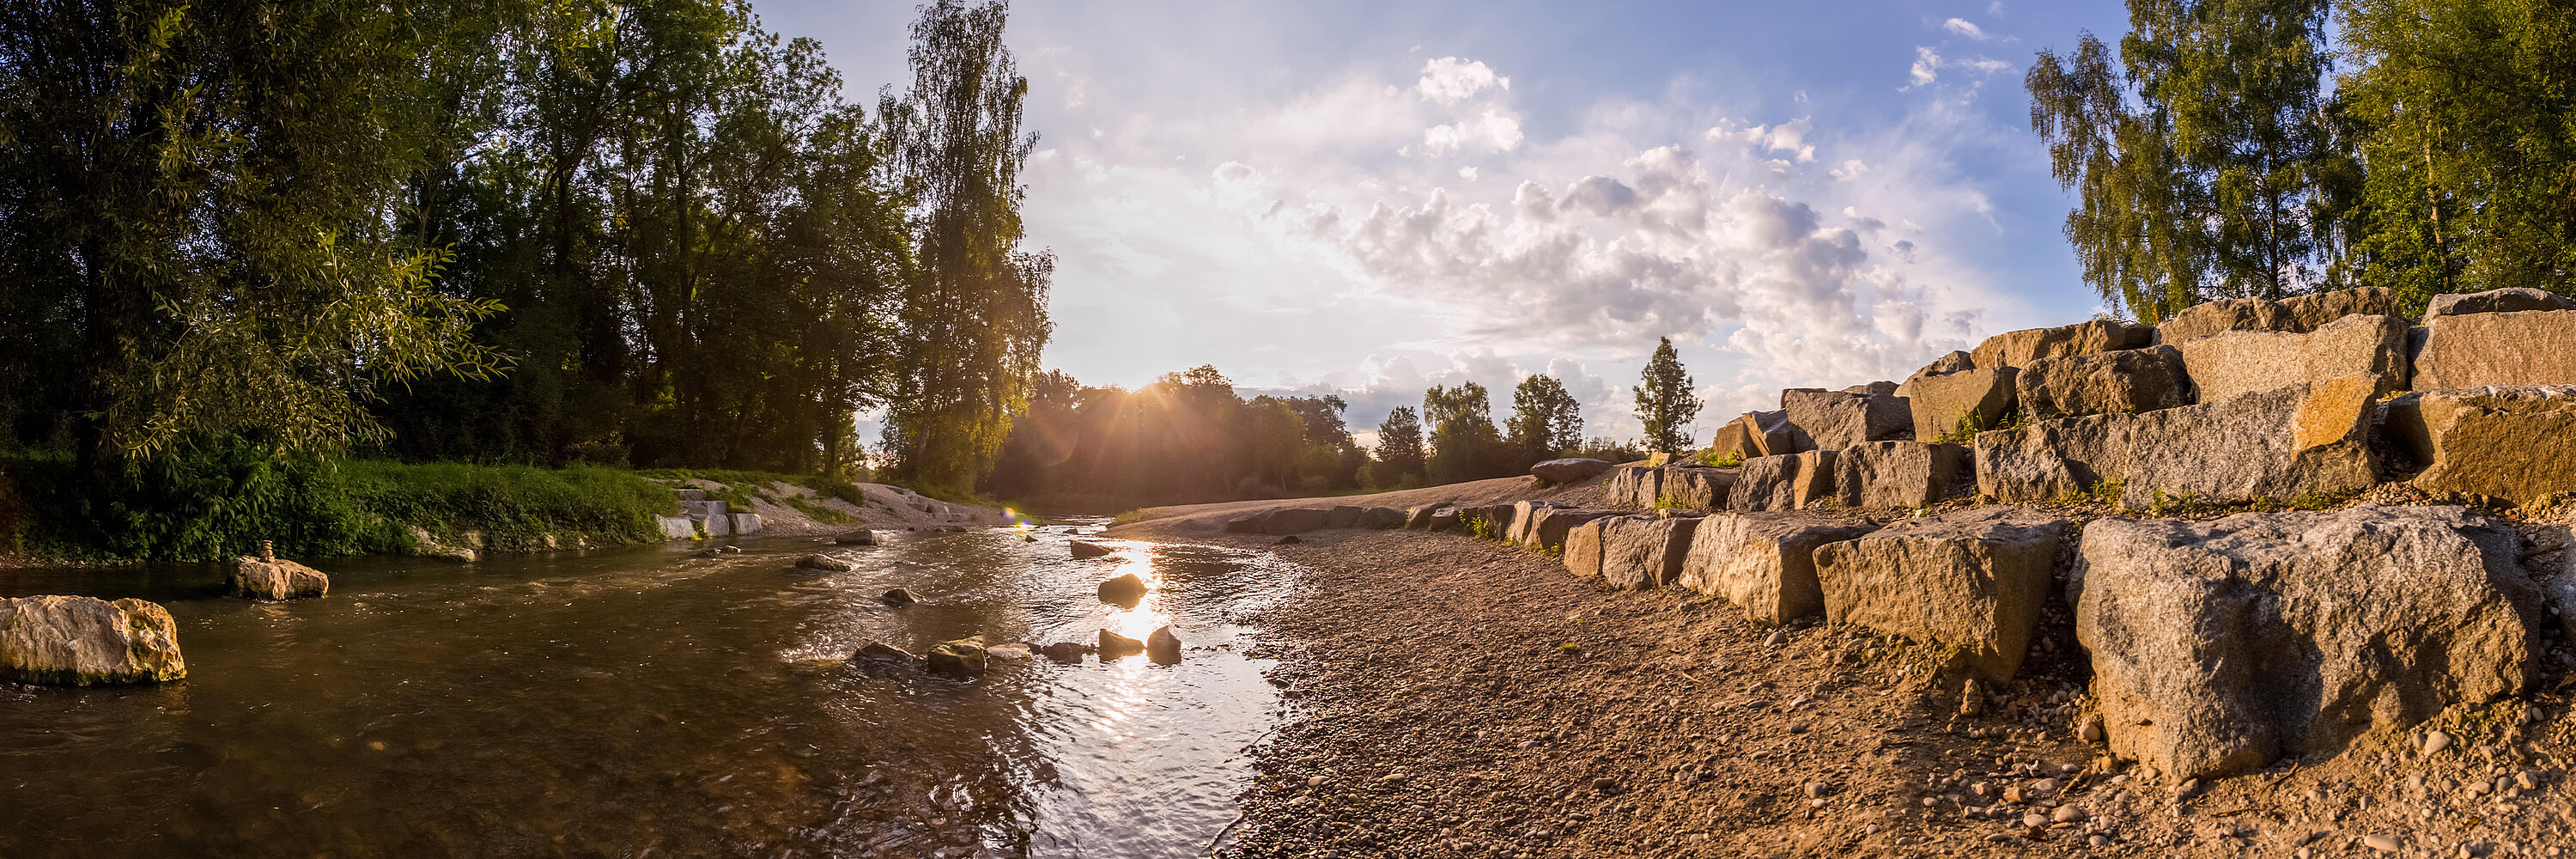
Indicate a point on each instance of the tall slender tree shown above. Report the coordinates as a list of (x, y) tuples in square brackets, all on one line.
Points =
[(1665, 401), (974, 314), (1399, 448)]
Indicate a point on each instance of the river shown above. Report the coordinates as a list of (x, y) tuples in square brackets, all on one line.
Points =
[(640, 701)]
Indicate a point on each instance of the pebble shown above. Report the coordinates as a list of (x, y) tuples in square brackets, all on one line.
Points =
[(2527, 779), (2435, 742), (1605, 785), (1775, 638), (2033, 821), (1817, 789), (1314, 780), (2066, 814), (2381, 843), (2099, 840), (2044, 786)]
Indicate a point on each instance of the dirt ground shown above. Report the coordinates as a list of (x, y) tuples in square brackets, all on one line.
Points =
[(1454, 697)]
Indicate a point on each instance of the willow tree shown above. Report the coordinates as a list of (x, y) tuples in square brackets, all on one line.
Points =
[(203, 199), (974, 313), (2205, 163)]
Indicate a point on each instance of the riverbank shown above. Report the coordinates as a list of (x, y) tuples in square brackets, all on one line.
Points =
[(1462, 697)]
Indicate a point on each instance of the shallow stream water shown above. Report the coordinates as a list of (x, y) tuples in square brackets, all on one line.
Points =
[(643, 702)]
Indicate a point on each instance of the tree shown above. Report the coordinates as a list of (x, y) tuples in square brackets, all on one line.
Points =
[(1665, 403), (1399, 448), (2461, 108), (974, 314), (2207, 165), (1545, 419), (1464, 443)]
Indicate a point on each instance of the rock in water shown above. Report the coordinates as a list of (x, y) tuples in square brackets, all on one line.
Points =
[(1163, 647), (281, 579), (861, 537), (824, 562), (898, 598), (2218, 647), (1065, 651), (85, 641), (1124, 591), (878, 651), (1089, 550), (962, 657), (1113, 645), (1569, 470)]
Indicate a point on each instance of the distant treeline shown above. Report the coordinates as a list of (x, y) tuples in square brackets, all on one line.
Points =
[(2235, 148), (643, 232), (1189, 437)]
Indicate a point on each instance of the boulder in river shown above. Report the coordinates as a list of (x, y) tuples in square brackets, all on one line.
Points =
[(1124, 591), (898, 598), (878, 651), (1083, 550), (86, 641), (963, 657), (861, 537), (1066, 651), (1163, 647), (1113, 645), (274, 579), (825, 562)]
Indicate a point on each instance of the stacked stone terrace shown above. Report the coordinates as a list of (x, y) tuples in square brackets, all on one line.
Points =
[(1937, 509)]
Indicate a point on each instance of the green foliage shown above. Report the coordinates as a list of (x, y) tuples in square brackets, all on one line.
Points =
[(1546, 419), (1670, 503), (1189, 437), (1665, 402), (2204, 160), (1400, 458), (1464, 443), (1713, 459)]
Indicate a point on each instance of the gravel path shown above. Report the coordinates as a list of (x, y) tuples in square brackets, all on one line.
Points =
[(1458, 697)]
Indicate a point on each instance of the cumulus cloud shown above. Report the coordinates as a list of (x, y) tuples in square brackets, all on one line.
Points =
[(1449, 80), (1964, 28), (1491, 132), (1788, 136)]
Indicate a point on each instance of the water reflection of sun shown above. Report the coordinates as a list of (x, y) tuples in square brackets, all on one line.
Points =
[(1148, 615)]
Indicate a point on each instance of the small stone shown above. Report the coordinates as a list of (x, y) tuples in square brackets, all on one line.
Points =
[(2381, 843), (1605, 785), (1775, 638), (2436, 741), (2066, 814), (2014, 793), (1815, 803), (2527, 779), (2092, 730), (1817, 789), (2188, 787), (2100, 840), (1314, 780), (2034, 820), (1982, 789), (2044, 787), (898, 598)]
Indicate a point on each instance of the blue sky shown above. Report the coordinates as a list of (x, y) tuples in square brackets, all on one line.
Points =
[(1373, 197)]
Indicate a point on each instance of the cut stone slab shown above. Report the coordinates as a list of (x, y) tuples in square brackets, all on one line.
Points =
[(1697, 487), (280, 579), (676, 527), (1813, 485), (1950, 363), (86, 641), (1978, 398), (1765, 483), (1382, 518), (2318, 309), (1583, 546), (1420, 517), (1343, 516), (2511, 299), (1524, 515), (1974, 580), (1734, 440), (1636, 485), (1770, 433), (1640, 552), (2219, 647), (2531, 347), (1570, 470), (745, 523), (1902, 474), (2513, 443), (1765, 562), (1549, 527), (2229, 363), (2296, 314), (1878, 388), (2278, 444), (2128, 380), (2019, 348), (1833, 420)]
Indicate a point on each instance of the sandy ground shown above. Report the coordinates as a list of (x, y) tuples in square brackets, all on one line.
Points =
[(1459, 697)]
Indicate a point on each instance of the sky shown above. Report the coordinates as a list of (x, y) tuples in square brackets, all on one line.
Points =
[(1368, 198)]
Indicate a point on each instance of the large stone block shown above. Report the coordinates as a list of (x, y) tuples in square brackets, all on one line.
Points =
[(2531, 347), (85, 641), (1765, 562), (1569, 470), (2019, 348), (2219, 647), (2296, 314), (1953, 362), (1813, 485), (2277, 444), (2513, 443), (1768, 432), (2129, 380), (1639, 552), (274, 579), (1833, 420), (1524, 514), (1697, 488), (1902, 474), (1549, 527), (745, 523), (1972, 399), (1734, 440), (2508, 300), (1974, 580), (1583, 546), (2229, 363), (1636, 485), (1784, 482)]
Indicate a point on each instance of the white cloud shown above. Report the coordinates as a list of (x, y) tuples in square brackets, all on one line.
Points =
[(1467, 173), (1493, 132), (1964, 28), (1928, 65), (1449, 80), (1788, 136), (1851, 169)]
